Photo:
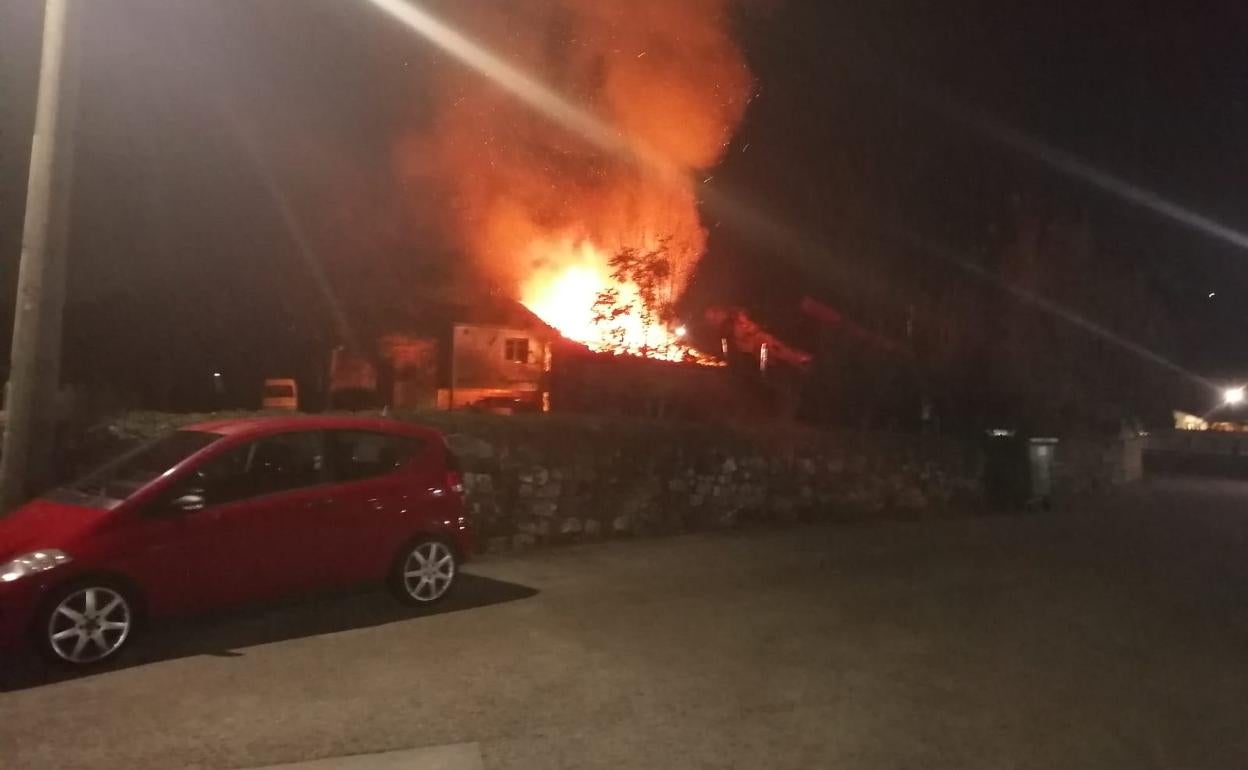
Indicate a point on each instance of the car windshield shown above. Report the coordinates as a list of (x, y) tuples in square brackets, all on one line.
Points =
[(122, 477)]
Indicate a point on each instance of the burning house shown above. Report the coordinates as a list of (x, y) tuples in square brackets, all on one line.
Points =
[(490, 353), (498, 356), (592, 241)]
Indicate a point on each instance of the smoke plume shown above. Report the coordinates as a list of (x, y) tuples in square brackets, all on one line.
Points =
[(526, 199)]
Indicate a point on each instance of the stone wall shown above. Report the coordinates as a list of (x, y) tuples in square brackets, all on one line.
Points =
[(550, 479), (1089, 466)]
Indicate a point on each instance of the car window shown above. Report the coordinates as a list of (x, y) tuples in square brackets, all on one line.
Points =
[(362, 454), (124, 476), (271, 464)]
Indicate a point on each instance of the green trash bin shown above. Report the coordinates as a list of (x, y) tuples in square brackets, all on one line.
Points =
[(1005, 470), (1041, 453), (1018, 471)]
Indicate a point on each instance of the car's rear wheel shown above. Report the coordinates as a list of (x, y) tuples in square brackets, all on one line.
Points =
[(424, 572), (86, 623)]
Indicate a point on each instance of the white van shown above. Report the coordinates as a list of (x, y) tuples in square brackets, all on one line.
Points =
[(280, 394)]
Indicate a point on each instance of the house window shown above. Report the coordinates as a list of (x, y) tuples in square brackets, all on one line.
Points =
[(517, 349)]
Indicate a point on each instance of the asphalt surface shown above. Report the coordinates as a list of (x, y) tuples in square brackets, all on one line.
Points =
[(1112, 638)]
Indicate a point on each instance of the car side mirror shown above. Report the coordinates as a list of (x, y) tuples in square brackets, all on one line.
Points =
[(189, 503)]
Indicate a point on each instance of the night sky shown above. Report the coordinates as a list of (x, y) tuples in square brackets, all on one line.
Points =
[(201, 122)]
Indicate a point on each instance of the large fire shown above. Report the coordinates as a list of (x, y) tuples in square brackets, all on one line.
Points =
[(569, 296), (545, 214)]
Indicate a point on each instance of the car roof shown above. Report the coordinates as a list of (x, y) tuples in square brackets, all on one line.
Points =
[(259, 426)]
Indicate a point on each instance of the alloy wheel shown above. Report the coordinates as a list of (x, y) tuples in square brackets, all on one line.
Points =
[(89, 625), (428, 571)]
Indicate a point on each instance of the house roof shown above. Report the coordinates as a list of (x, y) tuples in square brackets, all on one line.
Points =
[(423, 314), (497, 311)]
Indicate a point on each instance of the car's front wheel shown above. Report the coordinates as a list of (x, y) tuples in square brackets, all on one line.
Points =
[(86, 623), (424, 572)]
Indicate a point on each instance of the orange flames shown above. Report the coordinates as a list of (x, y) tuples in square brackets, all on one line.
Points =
[(540, 211), (566, 295)]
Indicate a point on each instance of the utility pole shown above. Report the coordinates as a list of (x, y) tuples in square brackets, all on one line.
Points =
[(40, 276)]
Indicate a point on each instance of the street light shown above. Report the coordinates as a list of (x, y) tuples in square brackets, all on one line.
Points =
[(1233, 396)]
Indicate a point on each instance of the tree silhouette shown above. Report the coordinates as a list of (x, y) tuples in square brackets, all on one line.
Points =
[(651, 274)]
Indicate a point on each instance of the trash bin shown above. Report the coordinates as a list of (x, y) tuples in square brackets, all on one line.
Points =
[(1018, 471), (1040, 455), (1005, 471)]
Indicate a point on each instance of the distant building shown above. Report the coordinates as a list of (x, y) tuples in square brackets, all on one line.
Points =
[(492, 354), (1221, 403), (1186, 421), (491, 363)]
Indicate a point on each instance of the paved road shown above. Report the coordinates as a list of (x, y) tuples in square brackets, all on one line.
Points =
[(1113, 639)]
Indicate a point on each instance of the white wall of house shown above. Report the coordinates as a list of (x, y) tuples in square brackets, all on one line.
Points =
[(495, 360)]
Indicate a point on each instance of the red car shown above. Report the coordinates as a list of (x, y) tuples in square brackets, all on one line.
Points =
[(227, 513)]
